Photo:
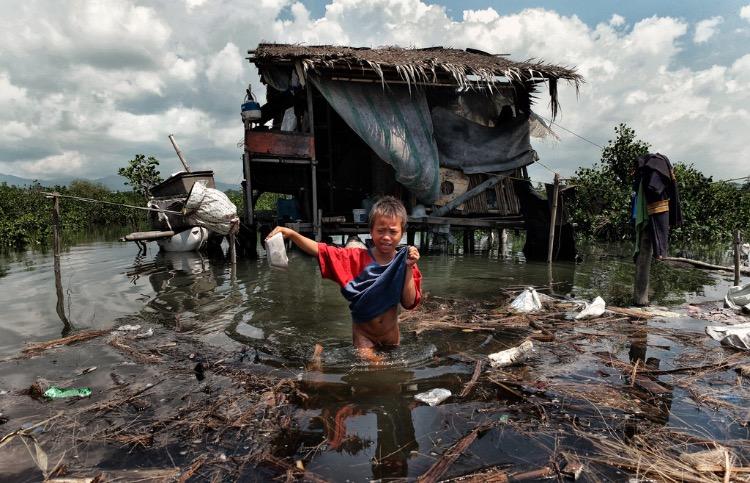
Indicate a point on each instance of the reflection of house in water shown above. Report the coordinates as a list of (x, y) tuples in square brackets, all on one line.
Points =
[(445, 130)]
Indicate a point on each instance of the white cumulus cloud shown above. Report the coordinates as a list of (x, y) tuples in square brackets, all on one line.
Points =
[(705, 29), (106, 80), (226, 65)]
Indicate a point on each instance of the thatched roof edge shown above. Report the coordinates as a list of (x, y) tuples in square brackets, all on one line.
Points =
[(415, 66)]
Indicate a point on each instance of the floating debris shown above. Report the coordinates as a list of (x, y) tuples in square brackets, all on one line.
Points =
[(55, 392), (528, 301), (433, 397), (592, 310), (511, 356)]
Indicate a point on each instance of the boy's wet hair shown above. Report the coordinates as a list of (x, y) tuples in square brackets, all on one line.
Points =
[(389, 207)]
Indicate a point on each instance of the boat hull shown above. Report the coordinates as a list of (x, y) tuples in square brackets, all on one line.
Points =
[(189, 240)]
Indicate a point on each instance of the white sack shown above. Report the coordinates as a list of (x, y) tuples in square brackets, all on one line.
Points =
[(210, 208)]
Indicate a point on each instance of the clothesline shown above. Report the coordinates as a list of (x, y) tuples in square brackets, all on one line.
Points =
[(91, 200)]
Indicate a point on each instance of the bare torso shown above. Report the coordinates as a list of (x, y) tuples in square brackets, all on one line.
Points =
[(382, 331)]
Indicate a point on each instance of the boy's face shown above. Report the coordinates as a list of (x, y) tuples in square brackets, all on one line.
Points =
[(386, 234)]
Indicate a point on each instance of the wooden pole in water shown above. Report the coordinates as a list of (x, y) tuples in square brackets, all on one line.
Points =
[(737, 241), (232, 249), (56, 249), (553, 218), (643, 268)]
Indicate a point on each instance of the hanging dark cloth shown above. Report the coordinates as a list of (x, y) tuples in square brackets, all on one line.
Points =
[(657, 202)]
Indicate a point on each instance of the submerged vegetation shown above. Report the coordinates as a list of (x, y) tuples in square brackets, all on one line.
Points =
[(712, 210)]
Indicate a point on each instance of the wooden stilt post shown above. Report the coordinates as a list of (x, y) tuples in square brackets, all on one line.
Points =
[(466, 242), (232, 249), (316, 217), (56, 249), (737, 242), (410, 237), (248, 190), (553, 219), (643, 268)]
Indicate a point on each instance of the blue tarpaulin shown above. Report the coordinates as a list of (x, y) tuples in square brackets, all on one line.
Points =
[(396, 124)]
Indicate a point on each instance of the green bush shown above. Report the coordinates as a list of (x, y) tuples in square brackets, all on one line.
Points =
[(26, 215), (712, 211)]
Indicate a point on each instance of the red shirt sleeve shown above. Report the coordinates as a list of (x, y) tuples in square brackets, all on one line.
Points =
[(341, 264), (417, 276)]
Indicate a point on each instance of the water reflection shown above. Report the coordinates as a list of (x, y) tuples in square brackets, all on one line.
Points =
[(191, 291), (369, 416)]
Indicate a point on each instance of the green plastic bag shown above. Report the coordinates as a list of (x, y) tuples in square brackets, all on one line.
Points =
[(55, 392)]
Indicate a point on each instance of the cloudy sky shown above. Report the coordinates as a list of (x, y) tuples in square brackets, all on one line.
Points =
[(85, 85)]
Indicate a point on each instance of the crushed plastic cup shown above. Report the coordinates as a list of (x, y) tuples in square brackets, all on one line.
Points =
[(527, 301), (55, 392), (277, 251), (511, 356), (433, 397)]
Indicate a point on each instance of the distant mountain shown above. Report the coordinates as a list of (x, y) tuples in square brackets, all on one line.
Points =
[(112, 182)]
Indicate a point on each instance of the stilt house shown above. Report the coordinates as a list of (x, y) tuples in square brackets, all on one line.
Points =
[(445, 130)]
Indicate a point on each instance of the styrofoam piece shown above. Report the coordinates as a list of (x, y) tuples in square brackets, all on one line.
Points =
[(511, 356)]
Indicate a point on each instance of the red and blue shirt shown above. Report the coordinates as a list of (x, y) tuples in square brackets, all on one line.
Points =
[(355, 270)]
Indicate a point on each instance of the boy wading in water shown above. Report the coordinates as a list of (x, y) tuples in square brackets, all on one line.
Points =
[(373, 280)]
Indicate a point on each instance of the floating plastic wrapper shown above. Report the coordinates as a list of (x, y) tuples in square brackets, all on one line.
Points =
[(55, 392), (738, 298), (737, 336), (433, 397), (511, 356), (527, 301), (592, 310), (277, 251)]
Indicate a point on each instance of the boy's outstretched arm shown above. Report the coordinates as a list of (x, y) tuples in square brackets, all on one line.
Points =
[(305, 244), (409, 293)]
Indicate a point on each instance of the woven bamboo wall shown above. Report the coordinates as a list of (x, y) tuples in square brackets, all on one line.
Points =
[(506, 201)]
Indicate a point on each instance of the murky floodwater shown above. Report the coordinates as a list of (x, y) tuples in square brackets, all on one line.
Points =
[(283, 314), (282, 311)]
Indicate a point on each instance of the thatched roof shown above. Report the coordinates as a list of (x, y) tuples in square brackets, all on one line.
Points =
[(431, 66)]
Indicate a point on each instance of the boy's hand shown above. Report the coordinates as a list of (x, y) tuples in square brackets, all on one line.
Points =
[(412, 256), (285, 232)]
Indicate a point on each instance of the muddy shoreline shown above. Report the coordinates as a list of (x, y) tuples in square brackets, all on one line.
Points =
[(610, 398)]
